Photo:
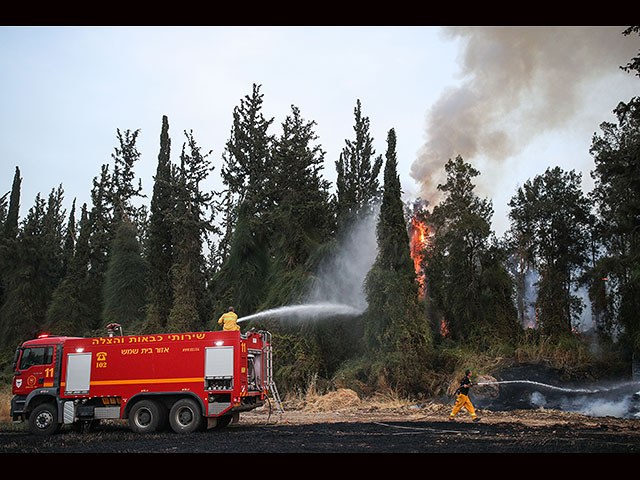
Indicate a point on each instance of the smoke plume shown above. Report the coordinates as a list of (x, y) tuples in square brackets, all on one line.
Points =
[(516, 83)]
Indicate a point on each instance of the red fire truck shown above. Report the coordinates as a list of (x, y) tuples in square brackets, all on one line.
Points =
[(186, 380)]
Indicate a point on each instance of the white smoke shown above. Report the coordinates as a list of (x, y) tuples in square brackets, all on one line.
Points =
[(530, 295), (517, 83)]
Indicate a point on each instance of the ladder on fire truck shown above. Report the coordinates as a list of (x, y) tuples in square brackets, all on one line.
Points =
[(271, 384)]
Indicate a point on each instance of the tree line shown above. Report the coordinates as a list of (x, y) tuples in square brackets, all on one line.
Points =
[(176, 264)]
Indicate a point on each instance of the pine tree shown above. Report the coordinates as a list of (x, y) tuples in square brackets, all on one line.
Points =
[(125, 280), (247, 173), (302, 216), (190, 230), (100, 238), (116, 219), (357, 184), (69, 240), (35, 271), (246, 157), (123, 189), (70, 308), (160, 241)]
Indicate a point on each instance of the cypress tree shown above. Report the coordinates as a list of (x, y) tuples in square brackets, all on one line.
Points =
[(160, 240), (11, 222), (8, 242), (69, 240), (396, 333)]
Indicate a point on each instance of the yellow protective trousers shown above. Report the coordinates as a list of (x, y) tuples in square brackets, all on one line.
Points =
[(463, 401)]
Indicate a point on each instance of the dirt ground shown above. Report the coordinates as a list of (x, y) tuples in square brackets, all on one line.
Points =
[(341, 423)]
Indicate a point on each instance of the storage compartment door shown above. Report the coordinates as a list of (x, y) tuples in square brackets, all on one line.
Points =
[(218, 362), (78, 373)]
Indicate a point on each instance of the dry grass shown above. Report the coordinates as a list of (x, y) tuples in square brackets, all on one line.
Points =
[(5, 403), (342, 399)]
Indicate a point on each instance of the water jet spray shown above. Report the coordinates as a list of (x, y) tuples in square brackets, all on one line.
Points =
[(308, 311)]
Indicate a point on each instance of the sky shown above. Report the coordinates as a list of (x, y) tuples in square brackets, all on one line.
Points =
[(511, 101)]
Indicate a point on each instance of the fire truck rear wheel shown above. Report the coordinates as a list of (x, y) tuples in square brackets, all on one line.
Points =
[(185, 416), (43, 420), (145, 416)]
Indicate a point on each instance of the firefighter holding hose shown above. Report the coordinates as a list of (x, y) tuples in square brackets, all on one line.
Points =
[(462, 399), (229, 321)]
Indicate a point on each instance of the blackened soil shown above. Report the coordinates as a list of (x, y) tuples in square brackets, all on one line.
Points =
[(393, 434)]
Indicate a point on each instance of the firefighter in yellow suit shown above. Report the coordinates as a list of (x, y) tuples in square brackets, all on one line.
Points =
[(228, 321), (463, 398)]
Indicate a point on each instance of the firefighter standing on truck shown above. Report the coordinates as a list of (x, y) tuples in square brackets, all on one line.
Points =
[(228, 321), (463, 398)]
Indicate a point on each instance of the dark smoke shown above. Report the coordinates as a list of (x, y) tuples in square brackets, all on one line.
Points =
[(517, 83)]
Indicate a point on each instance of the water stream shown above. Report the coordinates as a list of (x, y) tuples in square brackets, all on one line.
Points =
[(309, 311), (553, 387), (620, 399)]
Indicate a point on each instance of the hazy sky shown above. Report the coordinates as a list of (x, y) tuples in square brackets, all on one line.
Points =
[(510, 101)]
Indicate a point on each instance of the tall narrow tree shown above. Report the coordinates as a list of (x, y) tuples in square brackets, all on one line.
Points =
[(247, 173), (396, 332), (8, 241), (100, 238), (160, 238), (357, 184), (191, 228), (11, 222), (69, 311)]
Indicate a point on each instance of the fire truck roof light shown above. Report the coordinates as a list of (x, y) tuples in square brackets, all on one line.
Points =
[(219, 342), (44, 335), (79, 350)]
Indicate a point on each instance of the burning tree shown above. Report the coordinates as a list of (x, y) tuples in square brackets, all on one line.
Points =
[(418, 238)]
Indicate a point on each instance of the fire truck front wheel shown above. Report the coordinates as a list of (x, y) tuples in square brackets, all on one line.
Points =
[(185, 416), (43, 420), (145, 416)]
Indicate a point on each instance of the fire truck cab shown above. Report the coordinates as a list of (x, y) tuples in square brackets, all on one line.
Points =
[(187, 381)]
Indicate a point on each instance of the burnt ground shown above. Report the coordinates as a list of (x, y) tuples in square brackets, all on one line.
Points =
[(414, 429)]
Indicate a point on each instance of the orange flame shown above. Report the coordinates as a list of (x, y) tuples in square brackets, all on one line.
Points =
[(419, 233), (444, 328)]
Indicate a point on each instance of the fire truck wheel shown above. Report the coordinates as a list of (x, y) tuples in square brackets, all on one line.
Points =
[(145, 416), (222, 422), (185, 416), (44, 419)]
